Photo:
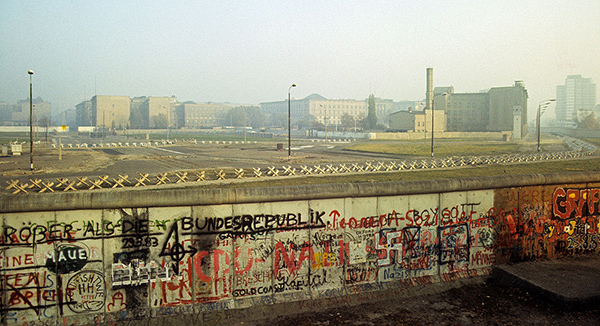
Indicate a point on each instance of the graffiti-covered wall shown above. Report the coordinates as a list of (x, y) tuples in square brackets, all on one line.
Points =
[(106, 264)]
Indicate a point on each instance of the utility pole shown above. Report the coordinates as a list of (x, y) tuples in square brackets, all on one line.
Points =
[(30, 72)]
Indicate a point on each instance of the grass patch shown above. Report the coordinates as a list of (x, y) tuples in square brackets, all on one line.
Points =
[(8, 137), (442, 148)]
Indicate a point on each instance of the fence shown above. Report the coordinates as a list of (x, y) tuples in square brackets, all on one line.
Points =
[(577, 148)]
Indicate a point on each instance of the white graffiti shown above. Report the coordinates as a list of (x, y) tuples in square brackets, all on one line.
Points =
[(137, 272)]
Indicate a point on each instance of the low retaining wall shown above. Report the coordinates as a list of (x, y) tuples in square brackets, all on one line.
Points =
[(498, 135), (195, 254)]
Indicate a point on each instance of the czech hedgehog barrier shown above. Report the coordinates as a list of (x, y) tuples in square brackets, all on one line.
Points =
[(199, 255)]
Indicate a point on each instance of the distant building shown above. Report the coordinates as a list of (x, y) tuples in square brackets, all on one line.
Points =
[(152, 112), (67, 118), (577, 94), (41, 112), (493, 110), (408, 105), (316, 108), (5, 113), (200, 115), (503, 103), (417, 121), (83, 114), (110, 111), (138, 116)]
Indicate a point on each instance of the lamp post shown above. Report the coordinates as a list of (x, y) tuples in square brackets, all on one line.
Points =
[(30, 72), (432, 120), (290, 123), (432, 125), (325, 120), (543, 104), (245, 123), (168, 121)]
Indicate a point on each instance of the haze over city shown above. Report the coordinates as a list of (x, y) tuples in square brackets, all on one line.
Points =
[(250, 52)]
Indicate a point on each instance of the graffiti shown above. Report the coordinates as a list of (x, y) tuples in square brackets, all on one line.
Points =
[(140, 241), (249, 224), (562, 223), (428, 217), (61, 232), (29, 290), (257, 291), (369, 222), (164, 261), (104, 228), (66, 259), (86, 291), (36, 233), (361, 273), (574, 203), (454, 246), (138, 272), (256, 277), (17, 261), (117, 302), (583, 243), (173, 247), (483, 258), (390, 244)]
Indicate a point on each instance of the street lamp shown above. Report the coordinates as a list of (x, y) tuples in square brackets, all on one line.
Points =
[(168, 121), (30, 72), (245, 123), (290, 123), (543, 104), (322, 107), (432, 120)]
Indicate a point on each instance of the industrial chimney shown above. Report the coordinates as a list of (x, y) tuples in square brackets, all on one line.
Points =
[(429, 92)]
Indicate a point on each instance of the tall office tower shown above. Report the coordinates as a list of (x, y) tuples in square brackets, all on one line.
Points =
[(576, 95)]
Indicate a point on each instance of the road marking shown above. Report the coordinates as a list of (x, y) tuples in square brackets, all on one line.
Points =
[(168, 150)]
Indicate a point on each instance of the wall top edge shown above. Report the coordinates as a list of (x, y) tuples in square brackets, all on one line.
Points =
[(197, 195)]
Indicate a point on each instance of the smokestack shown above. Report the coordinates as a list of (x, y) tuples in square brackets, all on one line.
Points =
[(429, 92)]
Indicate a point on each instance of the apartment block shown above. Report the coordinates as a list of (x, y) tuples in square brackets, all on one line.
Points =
[(200, 115), (577, 95), (110, 111)]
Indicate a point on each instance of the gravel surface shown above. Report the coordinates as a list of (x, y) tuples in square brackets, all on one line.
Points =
[(488, 304)]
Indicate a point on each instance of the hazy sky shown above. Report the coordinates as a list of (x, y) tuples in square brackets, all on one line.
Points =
[(251, 51)]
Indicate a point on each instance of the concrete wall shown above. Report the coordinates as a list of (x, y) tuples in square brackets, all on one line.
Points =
[(578, 133), (201, 255), (501, 135)]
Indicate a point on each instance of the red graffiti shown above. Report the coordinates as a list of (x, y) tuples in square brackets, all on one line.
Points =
[(287, 260), (575, 202)]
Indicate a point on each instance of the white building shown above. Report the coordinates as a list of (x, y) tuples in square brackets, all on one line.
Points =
[(316, 108), (577, 94)]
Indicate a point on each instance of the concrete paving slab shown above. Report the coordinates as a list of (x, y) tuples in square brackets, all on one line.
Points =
[(571, 282)]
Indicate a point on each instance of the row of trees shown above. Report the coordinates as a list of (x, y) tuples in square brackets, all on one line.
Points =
[(589, 121), (348, 123)]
